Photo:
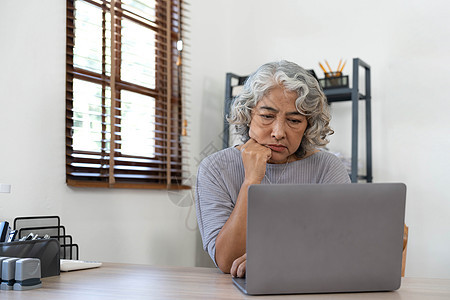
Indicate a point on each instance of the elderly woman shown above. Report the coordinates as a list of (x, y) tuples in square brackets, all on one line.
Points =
[(283, 118)]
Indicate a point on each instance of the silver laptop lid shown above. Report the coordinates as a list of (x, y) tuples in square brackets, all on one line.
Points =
[(324, 238)]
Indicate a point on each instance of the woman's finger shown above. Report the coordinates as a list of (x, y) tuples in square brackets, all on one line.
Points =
[(236, 264), (241, 269)]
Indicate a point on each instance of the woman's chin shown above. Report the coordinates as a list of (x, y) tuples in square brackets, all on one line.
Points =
[(277, 159)]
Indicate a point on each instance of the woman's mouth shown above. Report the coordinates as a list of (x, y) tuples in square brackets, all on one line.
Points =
[(277, 148)]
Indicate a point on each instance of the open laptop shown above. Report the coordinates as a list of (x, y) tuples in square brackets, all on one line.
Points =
[(324, 238)]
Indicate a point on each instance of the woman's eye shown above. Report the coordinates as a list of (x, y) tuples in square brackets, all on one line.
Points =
[(295, 121), (268, 117)]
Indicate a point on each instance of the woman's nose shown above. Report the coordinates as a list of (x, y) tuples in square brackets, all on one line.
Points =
[(278, 130)]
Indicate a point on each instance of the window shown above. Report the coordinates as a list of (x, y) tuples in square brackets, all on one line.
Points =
[(124, 116)]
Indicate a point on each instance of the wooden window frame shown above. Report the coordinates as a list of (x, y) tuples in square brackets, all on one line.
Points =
[(165, 169)]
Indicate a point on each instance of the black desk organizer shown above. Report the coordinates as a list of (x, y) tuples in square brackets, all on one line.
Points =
[(47, 250), (50, 225)]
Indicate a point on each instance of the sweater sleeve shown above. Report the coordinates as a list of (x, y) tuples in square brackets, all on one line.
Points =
[(213, 204)]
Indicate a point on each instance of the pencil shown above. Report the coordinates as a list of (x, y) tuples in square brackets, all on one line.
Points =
[(325, 71), (343, 66), (328, 66), (340, 61)]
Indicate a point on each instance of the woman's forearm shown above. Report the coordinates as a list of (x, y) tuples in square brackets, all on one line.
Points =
[(231, 241)]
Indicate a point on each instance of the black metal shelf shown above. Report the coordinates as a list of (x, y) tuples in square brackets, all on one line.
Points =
[(340, 94), (353, 94), (232, 81)]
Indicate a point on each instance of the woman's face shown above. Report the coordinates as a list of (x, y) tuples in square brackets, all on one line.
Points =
[(277, 124)]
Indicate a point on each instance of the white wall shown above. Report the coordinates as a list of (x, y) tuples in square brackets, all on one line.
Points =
[(405, 42), (136, 226)]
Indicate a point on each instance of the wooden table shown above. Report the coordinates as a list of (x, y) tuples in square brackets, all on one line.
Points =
[(124, 281)]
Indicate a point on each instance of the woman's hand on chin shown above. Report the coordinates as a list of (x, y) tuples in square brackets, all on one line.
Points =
[(255, 157)]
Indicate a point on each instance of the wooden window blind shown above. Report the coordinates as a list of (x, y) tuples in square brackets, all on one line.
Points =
[(124, 109)]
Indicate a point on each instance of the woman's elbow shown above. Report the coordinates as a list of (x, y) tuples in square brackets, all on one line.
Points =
[(223, 264)]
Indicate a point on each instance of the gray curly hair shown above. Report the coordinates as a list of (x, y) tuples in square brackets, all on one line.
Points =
[(311, 102)]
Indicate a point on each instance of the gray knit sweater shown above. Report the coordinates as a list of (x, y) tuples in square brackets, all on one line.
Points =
[(221, 175)]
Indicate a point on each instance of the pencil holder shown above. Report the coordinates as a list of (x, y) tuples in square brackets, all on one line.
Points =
[(333, 82)]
